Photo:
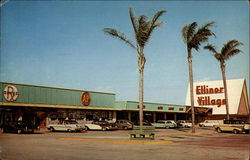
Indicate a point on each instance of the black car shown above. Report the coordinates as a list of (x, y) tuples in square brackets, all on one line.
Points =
[(19, 127), (105, 124), (124, 124)]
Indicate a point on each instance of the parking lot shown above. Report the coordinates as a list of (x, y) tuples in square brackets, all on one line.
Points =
[(169, 144)]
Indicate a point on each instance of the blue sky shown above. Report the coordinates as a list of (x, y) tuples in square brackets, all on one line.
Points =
[(61, 44)]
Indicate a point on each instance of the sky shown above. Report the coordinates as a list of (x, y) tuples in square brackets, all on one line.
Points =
[(61, 44)]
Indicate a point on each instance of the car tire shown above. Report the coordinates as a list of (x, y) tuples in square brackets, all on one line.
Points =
[(202, 125), (104, 129), (69, 130), (235, 131), (126, 128), (51, 129), (84, 129), (167, 127), (218, 130)]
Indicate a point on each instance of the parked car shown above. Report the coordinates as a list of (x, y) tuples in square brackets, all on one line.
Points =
[(145, 123), (209, 123), (100, 125), (19, 127), (165, 124), (184, 123), (124, 124), (67, 125), (235, 126)]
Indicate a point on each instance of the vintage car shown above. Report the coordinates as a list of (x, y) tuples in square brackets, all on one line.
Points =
[(67, 125), (184, 123), (124, 124), (235, 126), (209, 123), (165, 124), (100, 125), (19, 127)]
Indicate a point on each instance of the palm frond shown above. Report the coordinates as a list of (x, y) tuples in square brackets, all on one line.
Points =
[(191, 31), (142, 19), (146, 28), (184, 33), (142, 34), (230, 45), (154, 23), (133, 20), (211, 48), (219, 57), (157, 15), (118, 35), (232, 53), (228, 50), (201, 35), (188, 32)]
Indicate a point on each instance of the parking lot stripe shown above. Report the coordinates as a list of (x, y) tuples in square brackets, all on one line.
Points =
[(118, 141), (174, 134)]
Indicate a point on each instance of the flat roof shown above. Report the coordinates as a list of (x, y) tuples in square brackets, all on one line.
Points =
[(55, 87)]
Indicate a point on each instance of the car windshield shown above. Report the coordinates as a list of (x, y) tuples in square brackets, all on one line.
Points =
[(71, 122), (101, 122), (104, 122)]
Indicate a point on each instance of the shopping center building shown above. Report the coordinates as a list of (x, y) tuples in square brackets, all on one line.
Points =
[(43, 105)]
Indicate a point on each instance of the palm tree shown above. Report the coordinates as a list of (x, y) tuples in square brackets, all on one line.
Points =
[(193, 37), (143, 30), (228, 50)]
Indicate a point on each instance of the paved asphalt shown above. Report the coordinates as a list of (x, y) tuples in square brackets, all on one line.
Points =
[(169, 144)]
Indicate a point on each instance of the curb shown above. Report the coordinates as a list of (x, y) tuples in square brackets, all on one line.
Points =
[(173, 134), (117, 141)]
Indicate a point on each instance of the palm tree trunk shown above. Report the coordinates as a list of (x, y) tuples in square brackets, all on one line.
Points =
[(141, 98), (141, 63), (191, 87), (225, 87)]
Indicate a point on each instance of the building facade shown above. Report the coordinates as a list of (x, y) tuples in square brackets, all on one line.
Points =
[(43, 105)]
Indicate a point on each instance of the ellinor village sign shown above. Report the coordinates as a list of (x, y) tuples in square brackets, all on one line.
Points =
[(211, 94), (203, 93)]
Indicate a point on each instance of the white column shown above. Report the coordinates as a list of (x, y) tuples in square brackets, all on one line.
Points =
[(154, 117), (165, 116), (129, 116), (114, 116)]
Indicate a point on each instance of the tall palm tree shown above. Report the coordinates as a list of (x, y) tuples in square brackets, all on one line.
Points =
[(193, 37), (228, 50), (143, 30)]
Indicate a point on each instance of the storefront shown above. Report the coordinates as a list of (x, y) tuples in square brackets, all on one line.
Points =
[(41, 104), (210, 94), (156, 111)]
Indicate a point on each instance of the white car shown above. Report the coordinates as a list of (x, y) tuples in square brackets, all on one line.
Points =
[(183, 123), (67, 125), (208, 123), (165, 124), (100, 125)]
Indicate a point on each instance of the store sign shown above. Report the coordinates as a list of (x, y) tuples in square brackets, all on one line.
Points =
[(203, 93), (86, 99), (10, 93), (212, 94)]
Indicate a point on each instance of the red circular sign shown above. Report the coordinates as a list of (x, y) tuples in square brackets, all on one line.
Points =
[(85, 98)]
